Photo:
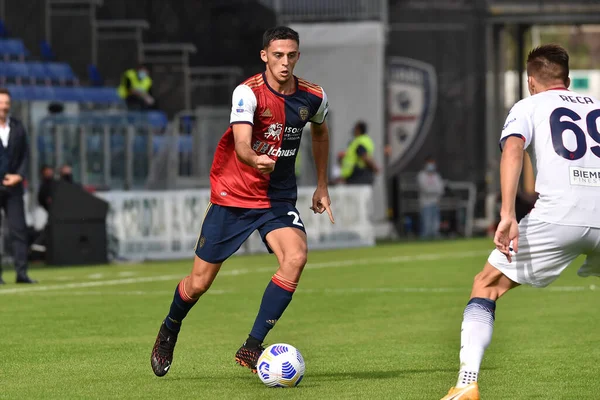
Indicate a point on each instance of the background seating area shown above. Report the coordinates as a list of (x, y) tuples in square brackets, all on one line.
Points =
[(30, 80)]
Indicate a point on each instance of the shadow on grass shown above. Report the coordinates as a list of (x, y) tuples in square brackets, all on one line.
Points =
[(387, 374), (332, 376)]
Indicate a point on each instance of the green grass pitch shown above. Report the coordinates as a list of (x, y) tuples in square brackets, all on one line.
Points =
[(377, 323)]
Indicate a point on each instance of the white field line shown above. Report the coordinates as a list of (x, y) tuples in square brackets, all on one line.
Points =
[(326, 291), (244, 271), (120, 293)]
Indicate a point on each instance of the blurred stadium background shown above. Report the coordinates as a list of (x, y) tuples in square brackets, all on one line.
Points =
[(430, 77)]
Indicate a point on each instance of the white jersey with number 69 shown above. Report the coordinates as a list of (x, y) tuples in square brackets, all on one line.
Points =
[(563, 128)]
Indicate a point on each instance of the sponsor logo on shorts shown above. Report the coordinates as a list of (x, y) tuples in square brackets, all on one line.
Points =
[(201, 241), (584, 176)]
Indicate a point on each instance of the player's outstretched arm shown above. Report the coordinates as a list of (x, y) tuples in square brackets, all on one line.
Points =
[(242, 135), (320, 148)]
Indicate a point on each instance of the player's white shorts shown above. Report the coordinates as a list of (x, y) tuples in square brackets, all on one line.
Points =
[(546, 249)]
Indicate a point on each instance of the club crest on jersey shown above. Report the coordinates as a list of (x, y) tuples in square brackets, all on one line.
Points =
[(411, 100), (303, 112), (274, 131)]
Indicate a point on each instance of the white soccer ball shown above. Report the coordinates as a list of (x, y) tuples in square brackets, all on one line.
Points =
[(280, 365)]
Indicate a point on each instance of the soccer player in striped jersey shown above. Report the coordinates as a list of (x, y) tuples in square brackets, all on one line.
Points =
[(253, 187)]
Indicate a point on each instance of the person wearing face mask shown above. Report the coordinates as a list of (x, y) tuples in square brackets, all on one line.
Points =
[(13, 167), (358, 165), (66, 173), (136, 89), (431, 189)]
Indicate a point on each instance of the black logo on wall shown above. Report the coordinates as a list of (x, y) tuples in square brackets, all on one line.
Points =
[(412, 96)]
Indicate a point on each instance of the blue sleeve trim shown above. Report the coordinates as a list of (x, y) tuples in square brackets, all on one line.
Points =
[(501, 143)]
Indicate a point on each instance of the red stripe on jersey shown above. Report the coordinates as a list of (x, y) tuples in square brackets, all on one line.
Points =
[(307, 83), (316, 91), (254, 81)]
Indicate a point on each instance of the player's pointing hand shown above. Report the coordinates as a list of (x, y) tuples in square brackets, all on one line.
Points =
[(321, 202), (265, 164)]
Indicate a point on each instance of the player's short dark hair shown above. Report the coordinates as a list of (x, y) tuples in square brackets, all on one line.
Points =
[(361, 126), (548, 63), (5, 91), (279, 33)]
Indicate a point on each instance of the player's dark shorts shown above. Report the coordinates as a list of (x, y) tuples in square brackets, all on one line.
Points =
[(225, 229)]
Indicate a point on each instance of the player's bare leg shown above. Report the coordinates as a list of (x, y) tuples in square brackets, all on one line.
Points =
[(289, 245), (477, 327), (187, 293)]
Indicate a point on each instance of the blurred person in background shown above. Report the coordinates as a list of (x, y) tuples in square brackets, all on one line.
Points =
[(431, 189), (136, 89), (358, 166), (13, 167), (44, 198), (46, 187), (66, 173), (336, 169)]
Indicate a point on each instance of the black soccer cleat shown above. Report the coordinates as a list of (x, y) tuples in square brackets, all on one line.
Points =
[(162, 352), (248, 356)]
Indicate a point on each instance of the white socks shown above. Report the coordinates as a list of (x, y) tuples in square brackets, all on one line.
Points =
[(475, 337)]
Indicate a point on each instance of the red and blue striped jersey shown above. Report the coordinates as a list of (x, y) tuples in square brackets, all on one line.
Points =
[(277, 123)]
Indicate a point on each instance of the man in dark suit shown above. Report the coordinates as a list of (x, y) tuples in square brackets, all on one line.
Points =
[(13, 167)]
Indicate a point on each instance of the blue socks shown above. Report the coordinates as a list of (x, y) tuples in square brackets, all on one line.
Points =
[(181, 305), (276, 298), (278, 295)]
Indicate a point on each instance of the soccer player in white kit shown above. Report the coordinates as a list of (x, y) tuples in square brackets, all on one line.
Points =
[(561, 130)]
